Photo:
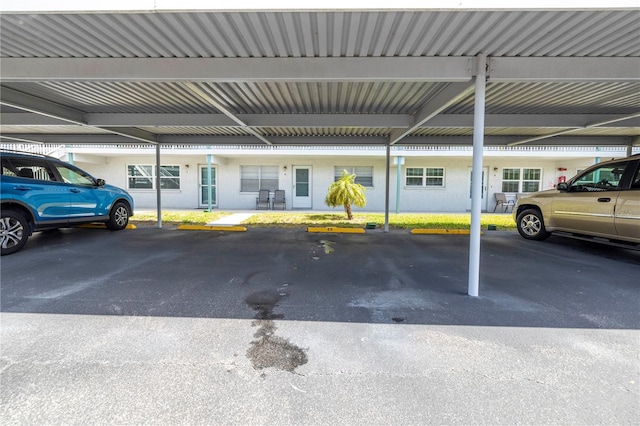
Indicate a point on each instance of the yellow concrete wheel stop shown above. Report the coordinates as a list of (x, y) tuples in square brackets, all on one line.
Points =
[(211, 228), (336, 230)]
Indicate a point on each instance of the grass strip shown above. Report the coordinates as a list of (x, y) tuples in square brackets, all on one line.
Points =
[(293, 219)]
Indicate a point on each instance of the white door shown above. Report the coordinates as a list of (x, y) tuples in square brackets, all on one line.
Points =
[(485, 185), (204, 186), (301, 187)]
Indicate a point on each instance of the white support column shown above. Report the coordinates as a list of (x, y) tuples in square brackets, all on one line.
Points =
[(158, 192), (209, 188), (386, 195), (399, 162), (476, 175)]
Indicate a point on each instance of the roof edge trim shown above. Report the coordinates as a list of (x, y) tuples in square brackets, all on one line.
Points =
[(138, 6)]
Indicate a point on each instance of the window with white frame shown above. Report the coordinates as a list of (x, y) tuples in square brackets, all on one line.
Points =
[(255, 178), (521, 179), (364, 174), (170, 177), (424, 177), (143, 176)]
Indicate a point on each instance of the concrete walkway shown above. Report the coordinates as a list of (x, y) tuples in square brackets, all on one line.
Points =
[(234, 219)]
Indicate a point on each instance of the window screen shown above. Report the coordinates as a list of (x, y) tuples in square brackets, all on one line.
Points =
[(364, 174), (255, 178)]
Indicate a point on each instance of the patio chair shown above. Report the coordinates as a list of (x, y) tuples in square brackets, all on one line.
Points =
[(262, 200), (501, 200), (279, 200)]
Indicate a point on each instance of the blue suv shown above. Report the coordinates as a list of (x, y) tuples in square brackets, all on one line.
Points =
[(39, 192)]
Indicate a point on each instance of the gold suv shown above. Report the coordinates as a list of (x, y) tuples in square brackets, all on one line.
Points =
[(603, 201)]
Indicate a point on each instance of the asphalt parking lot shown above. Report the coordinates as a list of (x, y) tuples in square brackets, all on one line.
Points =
[(160, 326)]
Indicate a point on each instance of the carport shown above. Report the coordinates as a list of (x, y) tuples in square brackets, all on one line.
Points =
[(435, 77)]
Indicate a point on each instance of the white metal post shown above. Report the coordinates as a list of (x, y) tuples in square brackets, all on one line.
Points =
[(400, 161), (158, 191), (209, 189), (386, 195), (476, 175)]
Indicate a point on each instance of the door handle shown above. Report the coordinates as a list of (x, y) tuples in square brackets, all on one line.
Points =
[(21, 188), (604, 200), (75, 190)]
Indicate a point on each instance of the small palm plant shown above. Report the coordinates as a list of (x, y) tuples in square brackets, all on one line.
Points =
[(345, 192)]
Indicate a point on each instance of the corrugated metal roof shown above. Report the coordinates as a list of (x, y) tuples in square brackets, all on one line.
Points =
[(600, 34), (339, 98), (562, 97), (323, 131), (526, 131), (118, 97), (51, 130), (321, 34), (324, 97), (239, 98), (196, 131)]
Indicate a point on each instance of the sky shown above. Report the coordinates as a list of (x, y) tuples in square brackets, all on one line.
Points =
[(156, 5)]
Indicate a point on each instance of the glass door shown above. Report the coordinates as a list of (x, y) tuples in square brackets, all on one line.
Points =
[(204, 187), (301, 187)]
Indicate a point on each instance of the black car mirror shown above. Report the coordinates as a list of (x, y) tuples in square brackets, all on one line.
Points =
[(562, 186), (100, 182)]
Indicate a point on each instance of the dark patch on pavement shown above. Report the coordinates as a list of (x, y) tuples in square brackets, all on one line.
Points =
[(269, 350), (264, 302)]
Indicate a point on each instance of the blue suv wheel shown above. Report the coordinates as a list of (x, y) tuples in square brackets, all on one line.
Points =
[(119, 217), (14, 231)]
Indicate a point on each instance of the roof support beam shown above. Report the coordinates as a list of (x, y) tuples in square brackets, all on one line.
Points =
[(22, 140), (502, 69), (564, 69), (33, 104), (208, 97), (382, 121), (446, 141), (252, 120), (237, 69), (447, 97), (133, 133), (588, 126), (36, 105)]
